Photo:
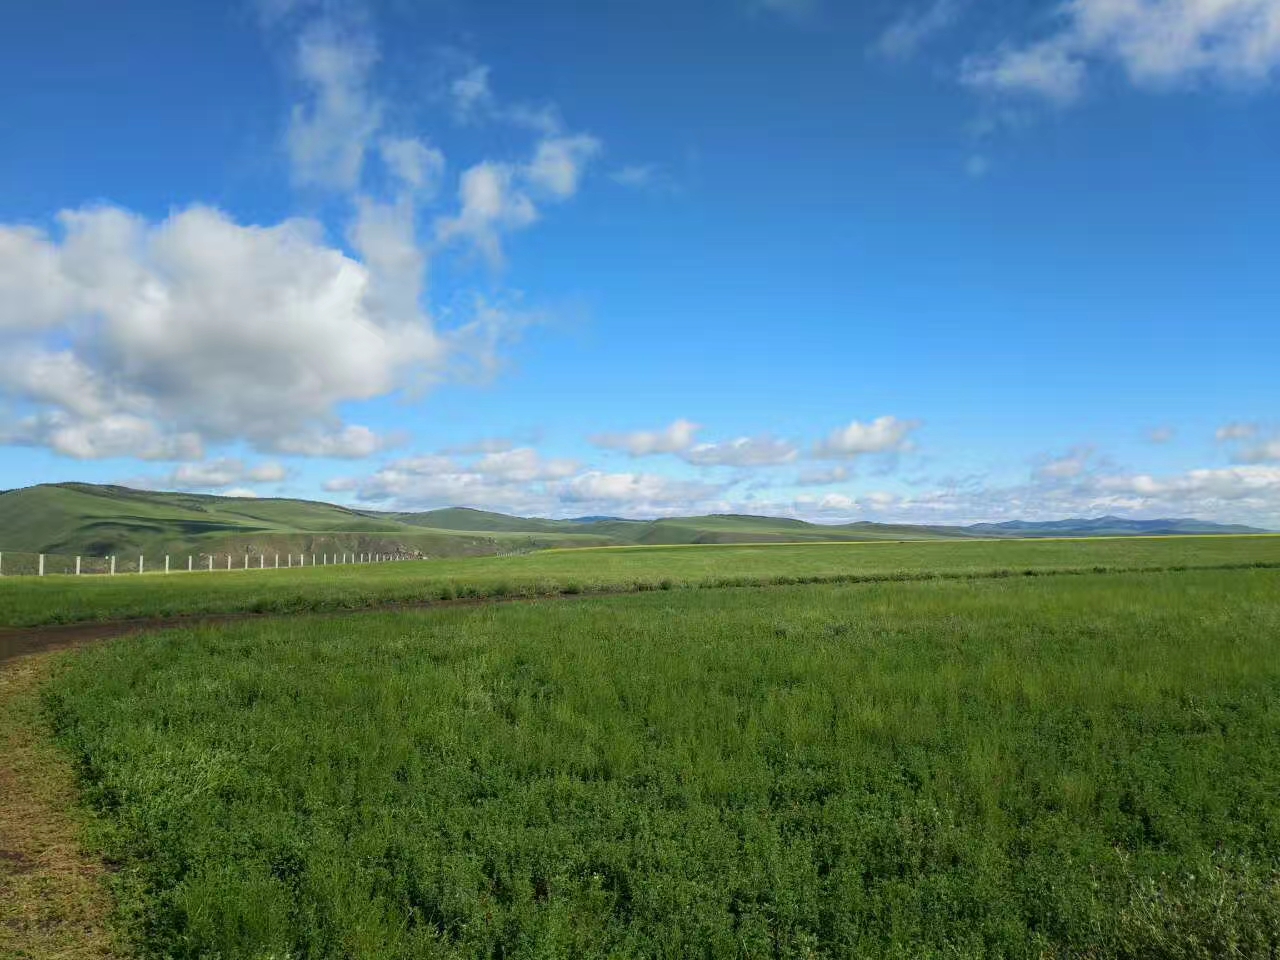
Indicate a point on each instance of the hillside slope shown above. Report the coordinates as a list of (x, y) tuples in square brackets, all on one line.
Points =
[(89, 520)]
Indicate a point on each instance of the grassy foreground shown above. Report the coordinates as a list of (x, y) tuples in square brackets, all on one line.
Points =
[(26, 601), (1031, 767)]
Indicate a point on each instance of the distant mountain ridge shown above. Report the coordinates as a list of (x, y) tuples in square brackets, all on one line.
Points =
[(94, 520), (1112, 526)]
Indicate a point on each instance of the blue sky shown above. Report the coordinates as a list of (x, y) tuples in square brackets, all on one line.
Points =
[(936, 262)]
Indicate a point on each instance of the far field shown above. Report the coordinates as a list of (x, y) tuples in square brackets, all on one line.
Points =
[(27, 601), (1025, 767)]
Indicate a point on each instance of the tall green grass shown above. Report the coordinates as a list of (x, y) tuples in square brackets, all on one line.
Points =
[(30, 601), (1024, 767)]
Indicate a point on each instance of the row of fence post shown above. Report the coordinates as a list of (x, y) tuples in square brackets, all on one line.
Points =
[(317, 560)]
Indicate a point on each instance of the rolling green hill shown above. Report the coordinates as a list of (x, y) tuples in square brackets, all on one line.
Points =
[(95, 521), (84, 519)]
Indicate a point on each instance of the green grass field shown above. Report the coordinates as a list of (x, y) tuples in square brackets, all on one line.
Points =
[(31, 601), (1068, 766)]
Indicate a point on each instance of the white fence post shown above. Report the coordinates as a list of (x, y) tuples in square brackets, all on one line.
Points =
[(277, 561), (190, 563), (77, 566), (42, 564), (1, 564), (211, 563), (228, 563), (113, 564), (140, 559), (262, 561)]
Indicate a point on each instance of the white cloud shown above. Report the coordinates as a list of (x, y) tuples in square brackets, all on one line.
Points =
[(882, 435), (638, 176), (108, 435), (329, 135), (384, 234), (823, 477), (471, 93), (743, 452), (216, 475), (636, 493), (241, 493), (904, 37), (1205, 486), (491, 202), (558, 164), (485, 445), (415, 163), (501, 196), (676, 438), (977, 166), (1161, 434), (352, 442), (523, 465), (122, 336), (1268, 451), (199, 327), (1158, 43), (519, 480), (224, 473), (1236, 431), (1242, 494), (1048, 70), (1066, 467)]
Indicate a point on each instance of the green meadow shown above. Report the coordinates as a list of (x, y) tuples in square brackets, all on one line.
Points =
[(1056, 766), (28, 601)]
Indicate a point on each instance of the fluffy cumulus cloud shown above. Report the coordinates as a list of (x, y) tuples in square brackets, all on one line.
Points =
[(1248, 494), (638, 493), (638, 176), (514, 480), (123, 336), (1066, 467), (196, 327), (761, 451), (1265, 452), (496, 198), (882, 435), (1236, 431), (521, 480), (676, 438), (823, 476), (1157, 43), (414, 163), (914, 28), (1249, 444), (225, 472), (330, 131)]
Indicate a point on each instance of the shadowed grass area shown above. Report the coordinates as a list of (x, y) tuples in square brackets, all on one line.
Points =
[(54, 902), (30, 601), (1029, 767)]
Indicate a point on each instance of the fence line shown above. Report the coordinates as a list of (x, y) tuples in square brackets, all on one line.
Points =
[(23, 564)]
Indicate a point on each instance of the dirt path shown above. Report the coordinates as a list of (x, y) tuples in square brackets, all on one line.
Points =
[(54, 902), (18, 642)]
